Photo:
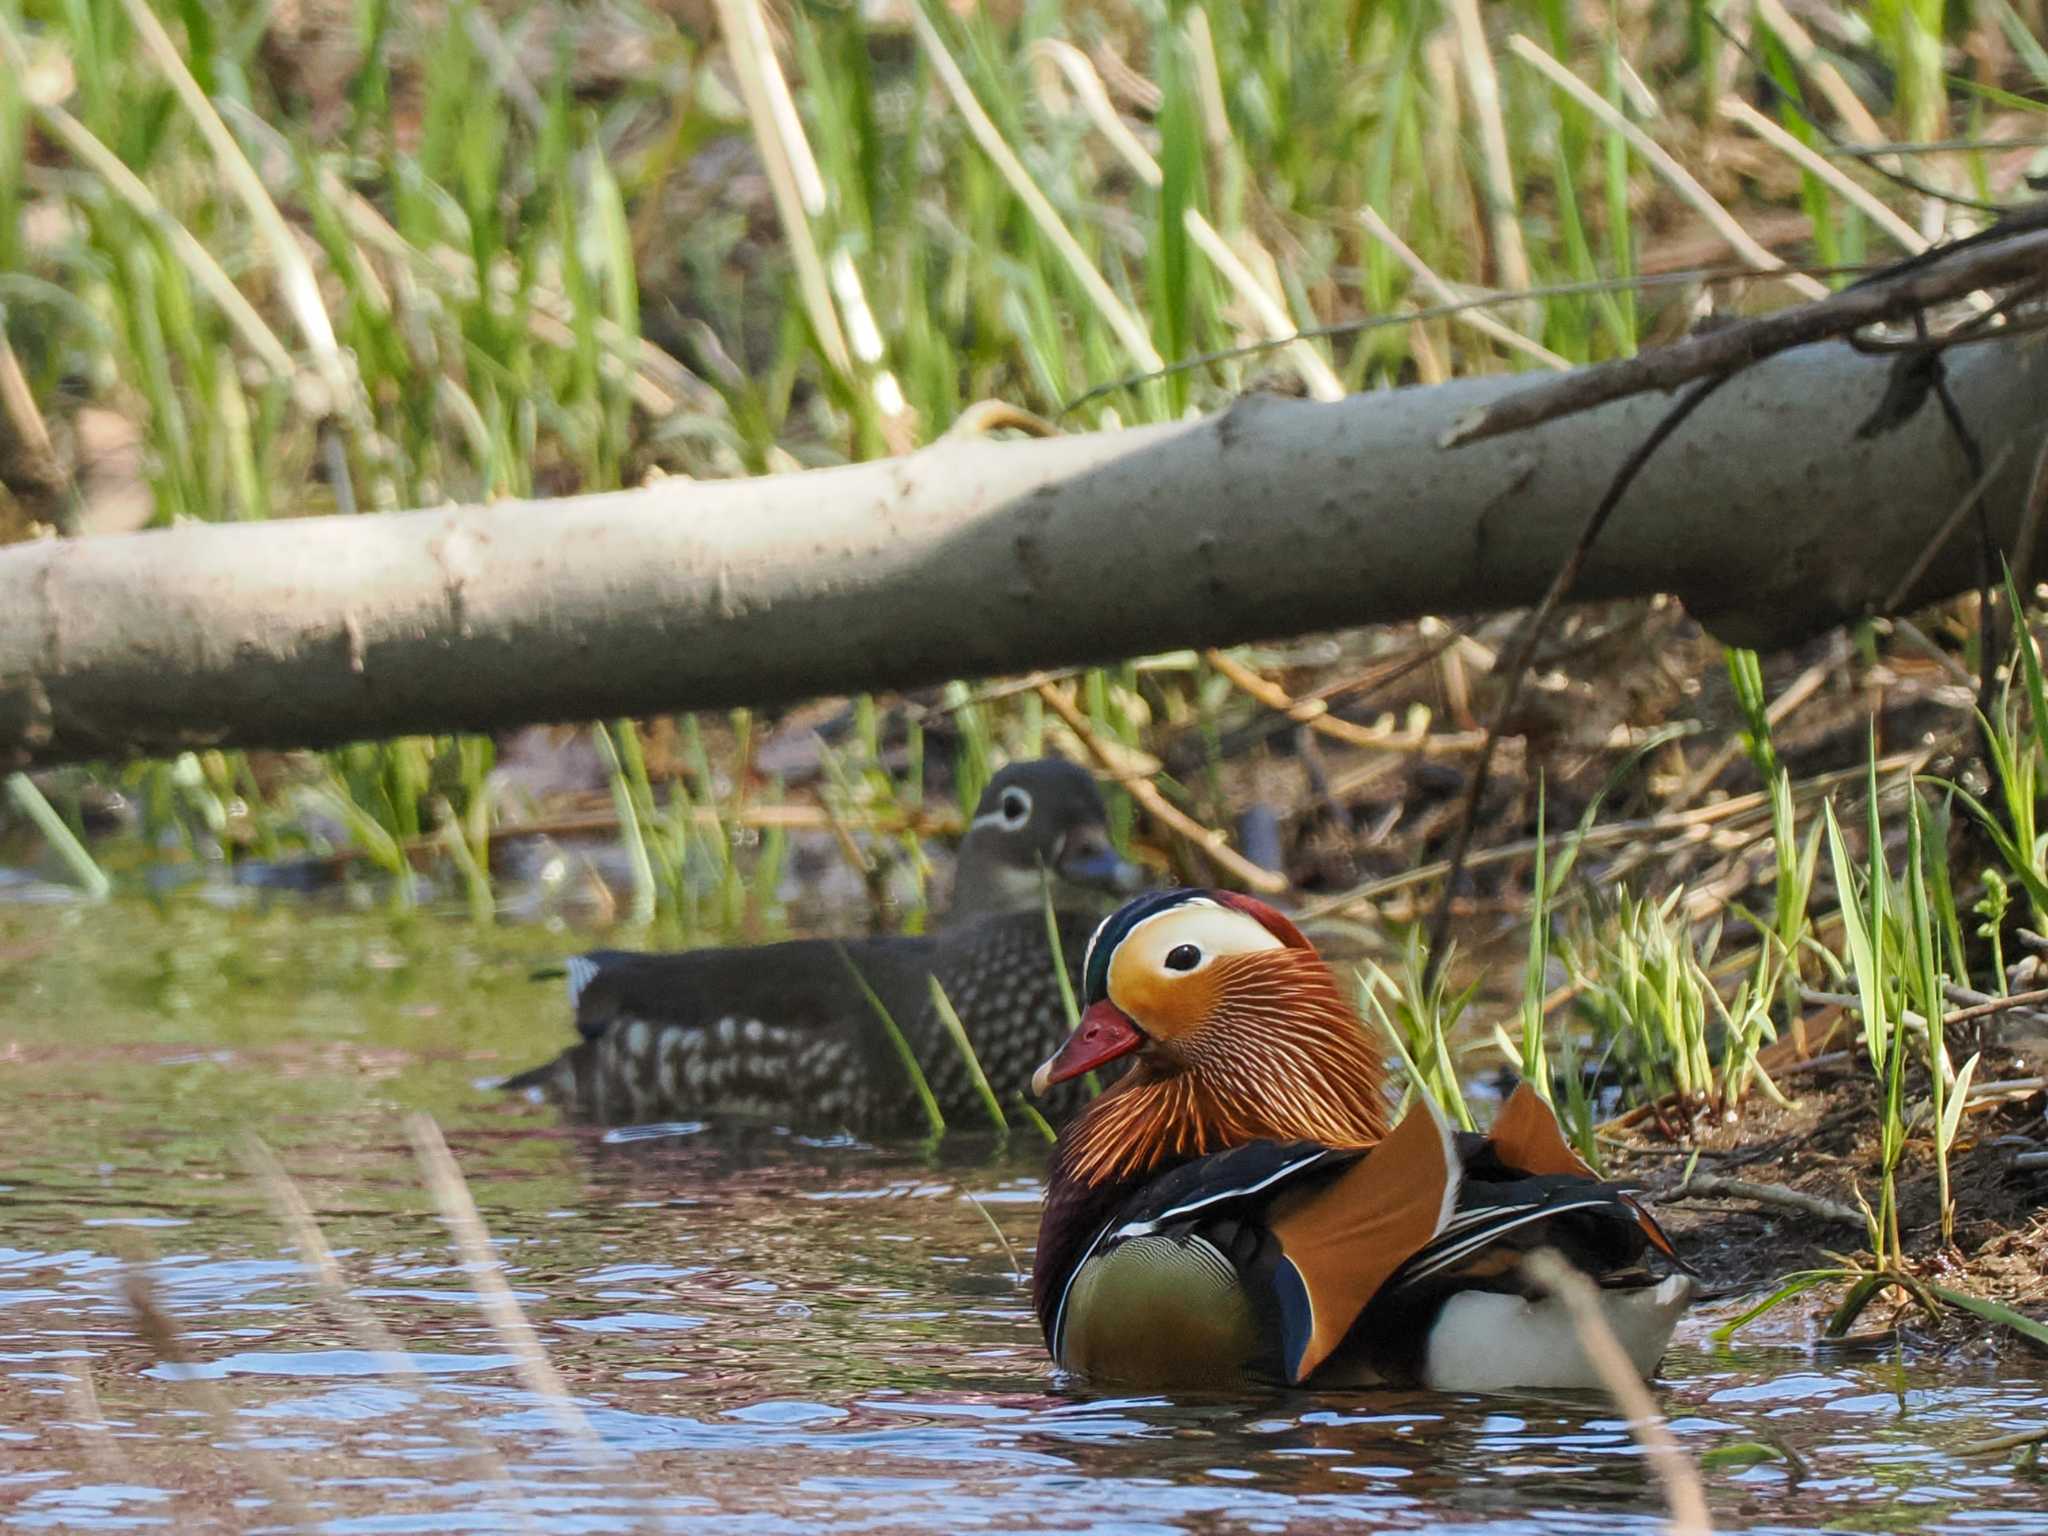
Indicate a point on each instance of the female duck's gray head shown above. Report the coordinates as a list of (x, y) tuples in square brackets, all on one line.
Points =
[(1044, 815)]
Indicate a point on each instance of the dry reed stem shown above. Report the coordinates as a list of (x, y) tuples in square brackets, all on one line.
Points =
[(2000, 1443), (160, 1331), (992, 415), (501, 1308), (1497, 173), (1208, 79), (1917, 639), (660, 383), (1315, 714), (1129, 330), (84, 147), (35, 473), (1477, 319), (288, 1203), (1273, 320), (1685, 1499), (1839, 93), (751, 55), (1319, 377), (82, 1404), (1213, 844), (863, 337), (300, 288), (1743, 115), (1661, 161)]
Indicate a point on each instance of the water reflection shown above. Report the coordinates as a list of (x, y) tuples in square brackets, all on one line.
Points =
[(764, 1334)]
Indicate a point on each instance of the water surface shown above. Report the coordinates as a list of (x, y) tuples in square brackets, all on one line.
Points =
[(766, 1334)]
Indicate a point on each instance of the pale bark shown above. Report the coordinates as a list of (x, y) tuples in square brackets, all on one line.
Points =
[(1764, 513)]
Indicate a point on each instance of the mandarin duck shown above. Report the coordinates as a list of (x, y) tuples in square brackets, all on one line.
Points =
[(1235, 1208), (787, 1032)]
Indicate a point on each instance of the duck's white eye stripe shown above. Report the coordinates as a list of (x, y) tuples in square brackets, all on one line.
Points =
[(1013, 809)]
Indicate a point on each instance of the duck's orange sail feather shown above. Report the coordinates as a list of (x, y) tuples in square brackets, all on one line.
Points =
[(1346, 1240)]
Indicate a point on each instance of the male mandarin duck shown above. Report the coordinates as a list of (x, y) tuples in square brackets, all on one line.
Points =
[(785, 1031), (1236, 1209)]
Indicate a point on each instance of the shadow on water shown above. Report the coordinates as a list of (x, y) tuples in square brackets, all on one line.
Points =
[(767, 1334)]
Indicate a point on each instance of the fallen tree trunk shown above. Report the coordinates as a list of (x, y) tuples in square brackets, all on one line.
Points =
[(1764, 513)]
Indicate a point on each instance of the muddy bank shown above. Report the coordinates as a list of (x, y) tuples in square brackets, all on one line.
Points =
[(1753, 1199)]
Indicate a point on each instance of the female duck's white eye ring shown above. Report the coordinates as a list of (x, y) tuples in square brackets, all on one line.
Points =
[(1014, 809), (1183, 957)]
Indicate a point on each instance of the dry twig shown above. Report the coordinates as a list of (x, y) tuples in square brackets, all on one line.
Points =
[(1712, 1186), (1532, 631), (1214, 845), (2011, 252), (1684, 1497)]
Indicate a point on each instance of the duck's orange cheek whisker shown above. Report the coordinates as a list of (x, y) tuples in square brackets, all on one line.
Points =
[(1106, 1033)]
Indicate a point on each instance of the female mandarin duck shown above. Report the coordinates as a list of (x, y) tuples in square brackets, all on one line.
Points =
[(1235, 1207), (787, 1030)]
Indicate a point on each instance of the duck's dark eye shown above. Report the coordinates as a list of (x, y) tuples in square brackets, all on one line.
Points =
[(1015, 809), (1183, 957)]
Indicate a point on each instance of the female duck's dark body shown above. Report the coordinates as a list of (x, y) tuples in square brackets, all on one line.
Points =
[(785, 1031)]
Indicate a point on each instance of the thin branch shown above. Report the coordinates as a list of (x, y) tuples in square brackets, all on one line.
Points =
[(1712, 1186), (1532, 631), (1315, 714), (1496, 171), (1644, 282), (1940, 275)]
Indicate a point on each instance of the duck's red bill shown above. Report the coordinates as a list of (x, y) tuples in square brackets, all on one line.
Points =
[(1104, 1035)]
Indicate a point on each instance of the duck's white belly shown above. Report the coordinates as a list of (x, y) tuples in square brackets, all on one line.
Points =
[(1484, 1341)]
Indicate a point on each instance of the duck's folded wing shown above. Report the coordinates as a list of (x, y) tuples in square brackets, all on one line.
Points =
[(1496, 1223), (1430, 1210)]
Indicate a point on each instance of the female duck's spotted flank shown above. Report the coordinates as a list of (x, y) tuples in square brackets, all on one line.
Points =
[(784, 1031), (1236, 1208)]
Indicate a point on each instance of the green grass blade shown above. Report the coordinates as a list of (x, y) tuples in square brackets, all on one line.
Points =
[(1994, 1312), (933, 1118), (21, 789), (950, 1017), (1792, 1286)]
